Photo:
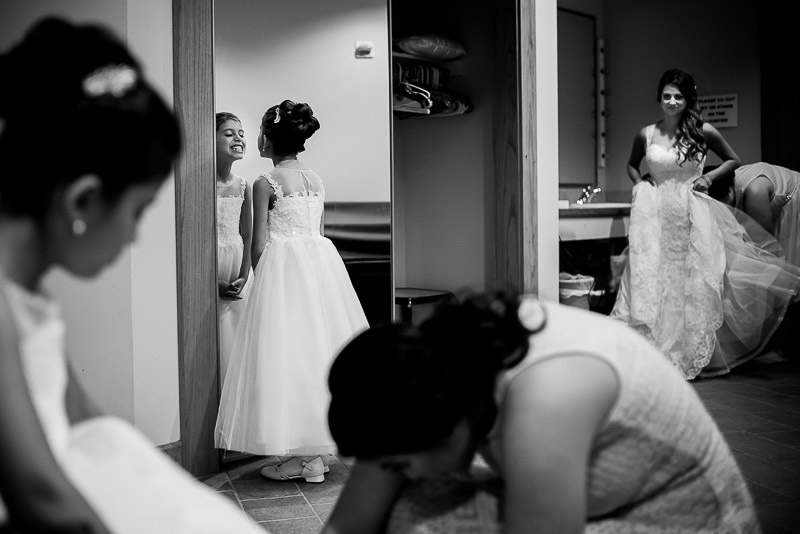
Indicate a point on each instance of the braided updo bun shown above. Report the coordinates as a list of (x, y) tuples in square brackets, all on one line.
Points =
[(288, 125)]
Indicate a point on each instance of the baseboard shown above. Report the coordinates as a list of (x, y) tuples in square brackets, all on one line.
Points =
[(174, 450)]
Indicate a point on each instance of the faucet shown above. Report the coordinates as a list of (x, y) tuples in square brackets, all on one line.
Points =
[(587, 195)]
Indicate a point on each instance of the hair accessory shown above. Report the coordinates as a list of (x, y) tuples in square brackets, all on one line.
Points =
[(531, 314), (277, 115), (78, 227), (114, 80)]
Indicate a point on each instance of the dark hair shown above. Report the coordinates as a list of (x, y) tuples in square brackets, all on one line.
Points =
[(721, 185), (81, 85), (288, 125), (397, 388), (689, 140), (223, 116)]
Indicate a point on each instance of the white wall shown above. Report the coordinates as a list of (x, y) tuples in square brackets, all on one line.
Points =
[(154, 299), (269, 51), (122, 335), (547, 148)]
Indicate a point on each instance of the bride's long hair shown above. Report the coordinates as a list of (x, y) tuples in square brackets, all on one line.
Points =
[(690, 141)]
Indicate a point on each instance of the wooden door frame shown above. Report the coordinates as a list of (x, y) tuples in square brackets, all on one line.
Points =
[(514, 145), (195, 217)]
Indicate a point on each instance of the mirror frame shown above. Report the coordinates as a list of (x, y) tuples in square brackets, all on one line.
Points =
[(195, 216), (516, 248)]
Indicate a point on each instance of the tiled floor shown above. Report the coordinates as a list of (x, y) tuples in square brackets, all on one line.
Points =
[(757, 407), (291, 507)]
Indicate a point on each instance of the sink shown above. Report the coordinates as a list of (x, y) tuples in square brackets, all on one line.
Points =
[(596, 220)]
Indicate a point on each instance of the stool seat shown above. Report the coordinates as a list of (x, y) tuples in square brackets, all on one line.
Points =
[(408, 297)]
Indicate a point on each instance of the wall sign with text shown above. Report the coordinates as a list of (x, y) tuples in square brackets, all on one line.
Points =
[(721, 111)]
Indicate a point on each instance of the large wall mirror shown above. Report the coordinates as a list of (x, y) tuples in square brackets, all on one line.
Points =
[(305, 51), (267, 51)]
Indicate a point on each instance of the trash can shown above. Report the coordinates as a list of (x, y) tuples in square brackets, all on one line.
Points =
[(574, 289)]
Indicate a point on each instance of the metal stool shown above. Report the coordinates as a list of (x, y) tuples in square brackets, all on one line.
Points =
[(408, 297)]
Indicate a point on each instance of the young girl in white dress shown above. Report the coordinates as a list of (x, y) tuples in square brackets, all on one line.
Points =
[(706, 292), (301, 310), (234, 233), (112, 142)]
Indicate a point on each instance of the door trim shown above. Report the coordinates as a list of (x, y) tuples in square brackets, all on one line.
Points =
[(195, 217)]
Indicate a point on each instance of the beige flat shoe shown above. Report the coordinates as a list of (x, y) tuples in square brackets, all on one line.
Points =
[(311, 471)]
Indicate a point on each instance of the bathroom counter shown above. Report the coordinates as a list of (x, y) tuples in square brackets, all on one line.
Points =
[(602, 220)]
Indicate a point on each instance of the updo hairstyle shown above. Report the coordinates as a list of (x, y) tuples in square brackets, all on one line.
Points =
[(288, 125), (398, 388), (73, 102)]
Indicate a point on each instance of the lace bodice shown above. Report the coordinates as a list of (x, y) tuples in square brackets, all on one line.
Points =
[(663, 163), (229, 210), (297, 214)]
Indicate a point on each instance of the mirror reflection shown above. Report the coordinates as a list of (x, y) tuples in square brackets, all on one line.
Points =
[(307, 155)]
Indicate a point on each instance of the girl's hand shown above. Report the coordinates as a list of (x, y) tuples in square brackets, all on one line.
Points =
[(228, 291), (234, 289), (701, 184)]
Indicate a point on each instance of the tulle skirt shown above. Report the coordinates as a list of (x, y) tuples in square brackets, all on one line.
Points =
[(704, 282), (302, 309), (229, 263), (135, 488)]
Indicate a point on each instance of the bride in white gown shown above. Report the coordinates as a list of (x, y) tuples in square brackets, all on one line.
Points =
[(706, 291), (63, 469)]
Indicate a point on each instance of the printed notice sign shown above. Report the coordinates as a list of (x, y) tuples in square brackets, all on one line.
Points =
[(722, 111)]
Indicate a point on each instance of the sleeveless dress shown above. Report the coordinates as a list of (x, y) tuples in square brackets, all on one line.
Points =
[(301, 311), (785, 203), (701, 288), (659, 464), (230, 248), (128, 482)]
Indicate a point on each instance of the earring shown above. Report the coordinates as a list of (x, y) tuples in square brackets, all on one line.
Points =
[(78, 227)]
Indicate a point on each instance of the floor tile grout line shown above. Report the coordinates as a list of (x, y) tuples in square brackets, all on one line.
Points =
[(312, 507), (235, 492)]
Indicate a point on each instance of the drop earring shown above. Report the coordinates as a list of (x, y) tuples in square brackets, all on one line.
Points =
[(78, 227)]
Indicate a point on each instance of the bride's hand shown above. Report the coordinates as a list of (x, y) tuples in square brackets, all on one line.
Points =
[(701, 184)]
